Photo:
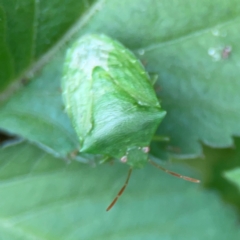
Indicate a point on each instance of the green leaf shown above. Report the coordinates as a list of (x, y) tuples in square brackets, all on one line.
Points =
[(31, 28), (233, 176), (219, 168), (20, 32), (46, 198), (37, 113), (5, 59)]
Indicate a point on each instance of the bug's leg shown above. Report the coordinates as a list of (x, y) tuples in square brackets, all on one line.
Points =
[(105, 159), (121, 191), (174, 173), (153, 78), (159, 138), (73, 154)]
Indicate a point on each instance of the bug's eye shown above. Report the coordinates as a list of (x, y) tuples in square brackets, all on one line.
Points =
[(146, 149)]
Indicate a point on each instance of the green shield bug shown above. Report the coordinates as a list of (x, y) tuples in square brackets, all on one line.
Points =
[(111, 102)]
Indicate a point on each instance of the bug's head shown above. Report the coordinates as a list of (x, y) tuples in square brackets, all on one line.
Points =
[(136, 157)]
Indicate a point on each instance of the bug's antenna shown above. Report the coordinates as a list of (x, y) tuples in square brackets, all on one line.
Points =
[(121, 191), (174, 173)]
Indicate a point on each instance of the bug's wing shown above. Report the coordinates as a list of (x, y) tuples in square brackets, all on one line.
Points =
[(128, 72), (77, 88)]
